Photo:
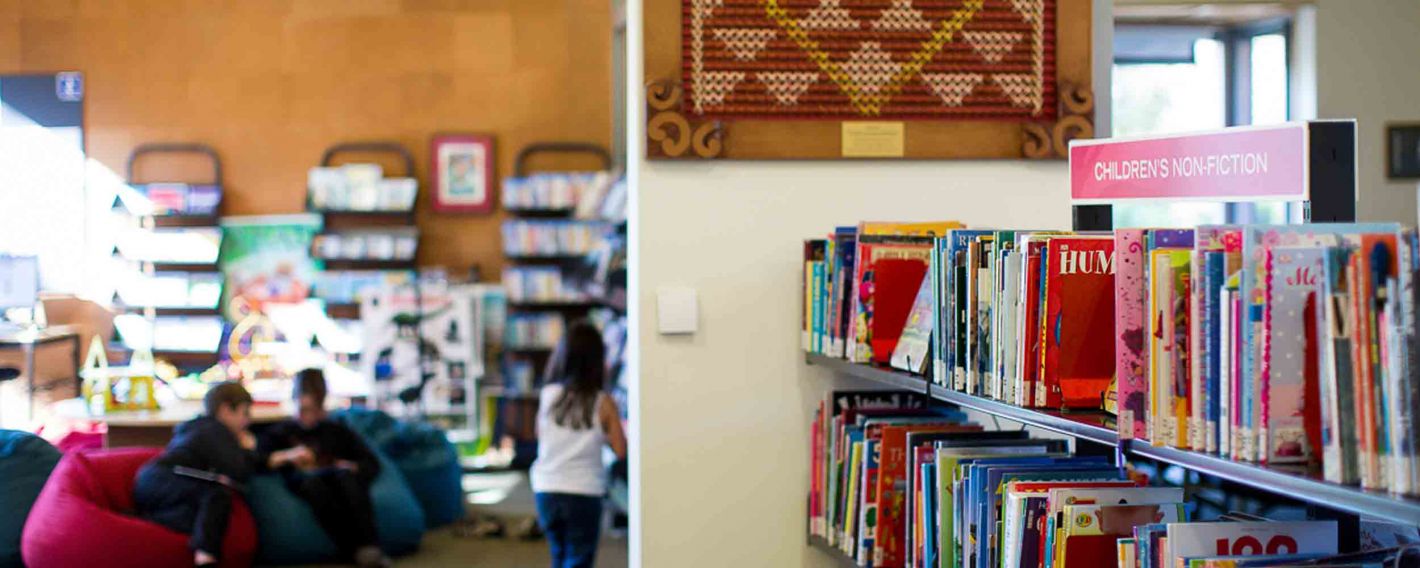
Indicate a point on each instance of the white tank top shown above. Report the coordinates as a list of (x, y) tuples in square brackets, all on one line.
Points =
[(568, 461)]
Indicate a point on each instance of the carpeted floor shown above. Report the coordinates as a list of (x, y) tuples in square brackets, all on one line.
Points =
[(507, 498)]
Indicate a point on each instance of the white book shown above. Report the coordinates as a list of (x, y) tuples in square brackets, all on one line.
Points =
[(1188, 540)]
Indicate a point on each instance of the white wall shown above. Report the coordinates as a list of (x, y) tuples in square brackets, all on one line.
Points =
[(1368, 68), (720, 419)]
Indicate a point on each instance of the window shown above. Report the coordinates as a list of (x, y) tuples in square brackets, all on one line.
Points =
[(1181, 78)]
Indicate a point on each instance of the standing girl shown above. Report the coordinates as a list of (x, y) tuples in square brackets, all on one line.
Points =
[(575, 420)]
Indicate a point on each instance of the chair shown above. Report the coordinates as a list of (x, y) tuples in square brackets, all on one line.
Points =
[(26, 461), (83, 518)]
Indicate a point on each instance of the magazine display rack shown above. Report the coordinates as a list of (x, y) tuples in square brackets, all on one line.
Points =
[(347, 223), (1311, 163), (173, 210)]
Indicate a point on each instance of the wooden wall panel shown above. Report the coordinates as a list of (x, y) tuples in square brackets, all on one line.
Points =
[(272, 83)]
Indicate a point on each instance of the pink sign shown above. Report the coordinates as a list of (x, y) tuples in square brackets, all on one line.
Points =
[(1237, 164)]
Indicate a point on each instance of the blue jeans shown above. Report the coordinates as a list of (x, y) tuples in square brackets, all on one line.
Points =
[(572, 524)]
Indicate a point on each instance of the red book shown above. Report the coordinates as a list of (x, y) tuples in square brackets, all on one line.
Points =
[(1078, 330), (1030, 340), (887, 273), (892, 487), (897, 282)]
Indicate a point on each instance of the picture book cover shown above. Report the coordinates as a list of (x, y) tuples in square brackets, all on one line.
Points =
[(1169, 350), (1090, 532), (1130, 325), (1249, 538), (914, 343), (1079, 322), (1292, 279), (887, 268)]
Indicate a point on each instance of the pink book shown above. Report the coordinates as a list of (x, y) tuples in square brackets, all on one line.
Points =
[(1131, 361)]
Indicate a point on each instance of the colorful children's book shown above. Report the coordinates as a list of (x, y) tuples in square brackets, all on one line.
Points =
[(1292, 280), (1169, 368), (1188, 540), (1078, 328), (914, 343), (1130, 329)]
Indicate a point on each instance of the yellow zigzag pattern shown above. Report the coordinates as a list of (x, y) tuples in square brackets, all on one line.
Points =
[(871, 104)]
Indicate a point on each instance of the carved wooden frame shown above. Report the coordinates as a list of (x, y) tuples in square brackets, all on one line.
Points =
[(672, 133)]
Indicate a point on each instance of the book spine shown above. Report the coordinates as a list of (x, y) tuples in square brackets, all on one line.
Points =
[(1263, 390), (1221, 419), (1198, 351)]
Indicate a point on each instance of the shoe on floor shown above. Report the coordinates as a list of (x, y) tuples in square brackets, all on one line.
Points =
[(371, 557)]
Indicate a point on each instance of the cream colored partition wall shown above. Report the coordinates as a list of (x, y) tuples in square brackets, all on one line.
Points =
[(720, 418)]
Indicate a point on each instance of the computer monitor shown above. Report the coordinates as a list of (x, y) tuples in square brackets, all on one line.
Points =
[(19, 281)]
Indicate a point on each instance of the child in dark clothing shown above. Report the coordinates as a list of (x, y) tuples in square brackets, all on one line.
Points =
[(336, 480), (189, 487)]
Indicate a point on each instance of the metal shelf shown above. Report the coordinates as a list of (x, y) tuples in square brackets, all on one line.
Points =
[(554, 305), (1096, 427), (1092, 426), (897, 379), (171, 311), (839, 558), (367, 264), (1300, 486)]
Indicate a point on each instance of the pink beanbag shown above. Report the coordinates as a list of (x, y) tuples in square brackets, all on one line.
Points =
[(83, 518)]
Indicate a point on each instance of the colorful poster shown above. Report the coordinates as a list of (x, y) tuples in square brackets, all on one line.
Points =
[(267, 258)]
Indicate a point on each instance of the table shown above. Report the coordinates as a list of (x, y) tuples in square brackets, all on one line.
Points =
[(154, 428), (30, 340)]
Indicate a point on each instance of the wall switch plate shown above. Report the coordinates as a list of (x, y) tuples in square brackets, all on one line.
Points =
[(676, 311)]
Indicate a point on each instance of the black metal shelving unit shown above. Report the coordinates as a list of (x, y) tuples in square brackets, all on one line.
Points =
[(345, 220), (205, 219), (1097, 428)]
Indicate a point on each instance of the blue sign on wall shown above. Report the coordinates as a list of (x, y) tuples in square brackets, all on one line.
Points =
[(69, 86)]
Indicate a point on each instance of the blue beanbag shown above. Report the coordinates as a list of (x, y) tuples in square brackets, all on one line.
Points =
[(25, 463), (288, 532), (430, 463), (422, 453)]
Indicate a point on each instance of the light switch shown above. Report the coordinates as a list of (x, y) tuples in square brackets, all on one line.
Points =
[(676, 311)]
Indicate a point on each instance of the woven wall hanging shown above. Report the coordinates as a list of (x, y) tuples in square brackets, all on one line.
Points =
[(965, 78)]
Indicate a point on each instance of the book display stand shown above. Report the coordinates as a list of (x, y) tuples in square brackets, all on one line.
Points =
[(1311, 163), (343, 224), (543, 263), (168, 217)]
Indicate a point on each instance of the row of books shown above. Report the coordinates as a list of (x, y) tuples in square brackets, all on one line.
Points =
[(897, 482), (552, 237), (1276, 344), (170, 199), (359, 187), (168, 289), (383, 244), (557, 191), (353, 286), (532, 284), (189, 244), (534, 331)]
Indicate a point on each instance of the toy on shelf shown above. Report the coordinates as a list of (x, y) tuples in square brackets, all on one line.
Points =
[(128, 388)]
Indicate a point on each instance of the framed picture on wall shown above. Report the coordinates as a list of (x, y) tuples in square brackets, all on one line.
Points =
[(462, 173)]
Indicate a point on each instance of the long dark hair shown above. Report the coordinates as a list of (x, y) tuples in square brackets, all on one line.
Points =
[(580, 365)]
